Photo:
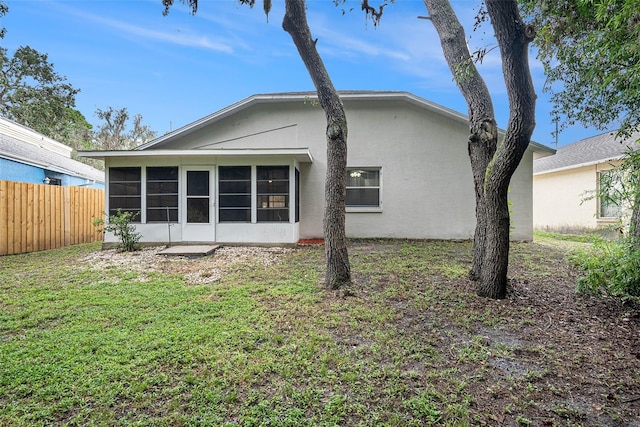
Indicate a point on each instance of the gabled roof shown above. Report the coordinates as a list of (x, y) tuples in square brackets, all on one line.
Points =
[(601, 148), (312, 96), (45, 155)]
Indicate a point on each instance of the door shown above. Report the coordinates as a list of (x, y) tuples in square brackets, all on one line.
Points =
[(198, 223)]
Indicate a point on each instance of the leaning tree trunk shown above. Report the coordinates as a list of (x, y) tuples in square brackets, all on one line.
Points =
[(492, 170), (337, 259), (513, 38), (483, 136)]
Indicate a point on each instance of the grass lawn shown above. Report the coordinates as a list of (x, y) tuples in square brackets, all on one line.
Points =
[(167, 342)]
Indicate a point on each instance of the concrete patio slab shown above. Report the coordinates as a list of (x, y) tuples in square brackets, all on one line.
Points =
[(189, 250)]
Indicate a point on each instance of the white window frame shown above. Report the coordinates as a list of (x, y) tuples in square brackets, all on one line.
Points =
[(367, 209), (599, 199)]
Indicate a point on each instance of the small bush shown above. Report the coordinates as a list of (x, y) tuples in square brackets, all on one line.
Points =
[(611, 268), (120, 225)]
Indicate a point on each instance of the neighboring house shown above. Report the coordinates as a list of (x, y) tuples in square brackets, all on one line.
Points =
[(28, 156), (564, 185), (254, 172)]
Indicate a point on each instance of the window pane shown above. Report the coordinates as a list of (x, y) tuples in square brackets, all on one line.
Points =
[(273, 215), (241, 187), (272, 172), (363, 187), (273, 187), (197, 183), (236, 215), (165, 173), (234, 198), (162, 201), (363, 178), (611, 188), (297, 196), (116, 202), (124, 189), (136, 213), (363, 197), (273, 202), (234, 201), (162, 193), (124, 174), (198, 210), (160, 215), (273, 193), (232, 173), (162, 187)]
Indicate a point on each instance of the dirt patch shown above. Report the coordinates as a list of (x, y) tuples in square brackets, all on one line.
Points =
[(544, 356), (202, 270)]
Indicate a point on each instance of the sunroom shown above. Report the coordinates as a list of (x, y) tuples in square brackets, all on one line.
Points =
[(205, 196)]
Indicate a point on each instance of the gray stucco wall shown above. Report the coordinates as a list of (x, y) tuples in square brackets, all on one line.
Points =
[(427, 189)]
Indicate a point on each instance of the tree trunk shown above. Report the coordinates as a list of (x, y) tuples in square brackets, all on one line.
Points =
[(337, 259), (483, 136), (513, 39), (492, 167)]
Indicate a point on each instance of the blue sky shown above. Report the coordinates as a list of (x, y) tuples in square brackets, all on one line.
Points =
[(176, 69)]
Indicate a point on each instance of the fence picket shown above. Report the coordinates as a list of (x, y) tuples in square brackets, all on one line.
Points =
[(37, 217)]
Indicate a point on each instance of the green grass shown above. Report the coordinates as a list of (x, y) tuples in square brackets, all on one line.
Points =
[(82, 346), (261, 346)]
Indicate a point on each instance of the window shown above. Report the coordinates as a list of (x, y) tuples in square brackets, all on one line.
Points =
[(162, 194), (273, 193), (363, 187), (234, 193), (610, 191), (297, 184), (125, 191)]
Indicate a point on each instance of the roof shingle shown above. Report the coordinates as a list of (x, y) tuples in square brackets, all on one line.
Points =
[(596, 149)]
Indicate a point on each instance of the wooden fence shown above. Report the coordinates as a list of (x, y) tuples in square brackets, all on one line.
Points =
[(35, 217)]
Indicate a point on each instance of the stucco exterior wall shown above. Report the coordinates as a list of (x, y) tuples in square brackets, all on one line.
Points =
[(559, 199), (20, 172), (426, 180)]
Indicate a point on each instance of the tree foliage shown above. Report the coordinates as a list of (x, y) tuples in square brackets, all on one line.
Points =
[(590, 53), (592, 62), (118, 132), (32, 93), (4, 8), (610, 268), (121, 225)]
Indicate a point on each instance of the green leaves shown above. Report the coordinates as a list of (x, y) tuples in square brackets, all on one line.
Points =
[(3, 11), (591, 58), (121, 226), (32, 93), (610, 268)]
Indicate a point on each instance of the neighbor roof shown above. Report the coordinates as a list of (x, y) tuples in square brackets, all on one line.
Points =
[(596, 149), (24, 152), (302, 96)]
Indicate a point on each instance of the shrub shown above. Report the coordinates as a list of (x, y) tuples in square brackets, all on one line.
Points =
[(120, 225), (611, 268)]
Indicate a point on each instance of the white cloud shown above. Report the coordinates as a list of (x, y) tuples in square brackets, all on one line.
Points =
[(177, 37)]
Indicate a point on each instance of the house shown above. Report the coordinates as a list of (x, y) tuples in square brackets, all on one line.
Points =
[(254, 172), (28, 156), (564, 182)]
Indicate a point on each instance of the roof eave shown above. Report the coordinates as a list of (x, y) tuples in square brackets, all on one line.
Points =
[(51, 167), (579, 165), (302, 155)]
